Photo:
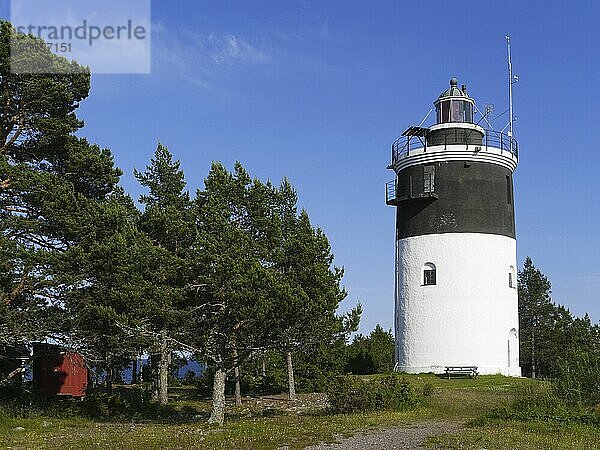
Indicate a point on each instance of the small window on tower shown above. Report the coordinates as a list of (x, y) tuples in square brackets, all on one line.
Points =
[(445, 111), (456, 111), (468, 112), (508, 189), (429, 274)]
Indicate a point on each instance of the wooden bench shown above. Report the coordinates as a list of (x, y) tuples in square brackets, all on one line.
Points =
[(468, 371)]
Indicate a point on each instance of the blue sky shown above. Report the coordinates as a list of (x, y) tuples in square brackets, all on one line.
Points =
[(318, 90)]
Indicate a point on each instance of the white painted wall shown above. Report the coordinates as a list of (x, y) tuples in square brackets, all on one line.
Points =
[(468, 316)]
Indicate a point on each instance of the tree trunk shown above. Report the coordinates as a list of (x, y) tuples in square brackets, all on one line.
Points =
[(217, 416), (109, 374), (236, 372), (134, 370), (163, 370), (290, 371), (238, 389), (13, 374), (533, 368), (264, 368)]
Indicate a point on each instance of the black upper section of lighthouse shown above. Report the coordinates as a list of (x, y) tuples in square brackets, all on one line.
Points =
[(467, 198), (440, 193)]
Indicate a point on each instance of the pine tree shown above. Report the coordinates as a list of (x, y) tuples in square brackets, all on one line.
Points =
[(305, 262), (239, 293), (535, 307), (50, 180), (168, 223), (372, 354)]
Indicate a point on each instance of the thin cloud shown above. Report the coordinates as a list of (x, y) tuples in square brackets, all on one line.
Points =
[(230, 49), (202, 59)]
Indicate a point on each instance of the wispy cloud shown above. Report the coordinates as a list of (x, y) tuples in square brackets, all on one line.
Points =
[(230, 49), (202, 59), (208, 59)]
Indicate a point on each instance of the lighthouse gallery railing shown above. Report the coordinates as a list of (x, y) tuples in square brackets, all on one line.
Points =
[(402, 146)]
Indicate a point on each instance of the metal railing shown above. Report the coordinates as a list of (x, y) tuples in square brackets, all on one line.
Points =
[(402, 146), (390, 191), (410, 188)]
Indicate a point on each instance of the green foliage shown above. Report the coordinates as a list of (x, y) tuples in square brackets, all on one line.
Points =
[(540, 403), (578, 380), (371, 354), (315, 367), (129, 403), (235, 270), (547, 330), (572, 397), (51, 183), (272, 381), (240, 296), (392, 392), (536, 315)]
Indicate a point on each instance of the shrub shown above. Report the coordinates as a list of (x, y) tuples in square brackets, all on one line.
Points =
[(392, 392), (124, 403), (578, 380), (190, 378), (542, 402)]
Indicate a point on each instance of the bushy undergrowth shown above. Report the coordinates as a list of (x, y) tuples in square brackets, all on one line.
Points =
[(572, 397), (348, 394), (578, 380), (122, 404)]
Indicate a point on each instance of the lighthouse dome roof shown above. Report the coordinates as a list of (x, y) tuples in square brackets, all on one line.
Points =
[(454, 90)]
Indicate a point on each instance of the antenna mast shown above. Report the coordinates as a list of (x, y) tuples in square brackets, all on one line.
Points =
[(511, 80)]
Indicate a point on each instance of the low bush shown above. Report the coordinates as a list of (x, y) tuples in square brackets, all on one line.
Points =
[(391, 392), (578, 380), (124, 403), (572, 397), (121, 404)]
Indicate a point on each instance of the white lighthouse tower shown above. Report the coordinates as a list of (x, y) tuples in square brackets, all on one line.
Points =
[(455, 292)]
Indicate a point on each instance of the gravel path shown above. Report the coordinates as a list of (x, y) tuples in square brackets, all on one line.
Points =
[(401, 438)]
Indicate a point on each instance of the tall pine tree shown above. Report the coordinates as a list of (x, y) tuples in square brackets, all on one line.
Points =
[(168, 222), (49, 182)]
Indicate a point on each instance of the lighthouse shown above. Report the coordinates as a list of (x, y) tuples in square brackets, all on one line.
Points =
[(456, 300)]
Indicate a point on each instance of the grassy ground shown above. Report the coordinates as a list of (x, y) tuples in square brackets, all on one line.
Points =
[(522, 436), (259, 433), (273, 422), (468, 402)]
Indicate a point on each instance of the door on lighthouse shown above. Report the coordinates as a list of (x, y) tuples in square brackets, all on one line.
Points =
[(513, 347), (429, 179)]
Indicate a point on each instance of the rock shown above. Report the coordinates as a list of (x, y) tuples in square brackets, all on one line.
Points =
[(46, 424), (18, 429)]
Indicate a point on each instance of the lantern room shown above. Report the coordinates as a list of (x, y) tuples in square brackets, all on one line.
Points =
[(454, 104)]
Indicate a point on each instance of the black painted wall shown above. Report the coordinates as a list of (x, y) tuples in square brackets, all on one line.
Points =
[(472, 197)]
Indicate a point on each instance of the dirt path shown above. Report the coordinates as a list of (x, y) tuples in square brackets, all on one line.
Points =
[(400, 438)]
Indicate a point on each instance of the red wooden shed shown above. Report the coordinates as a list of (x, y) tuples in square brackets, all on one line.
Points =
[(58, 372)]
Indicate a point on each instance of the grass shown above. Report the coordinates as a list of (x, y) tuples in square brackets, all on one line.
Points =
[(457, 400), (461, 399), (522, 436), (256, 433), (492, 431)]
